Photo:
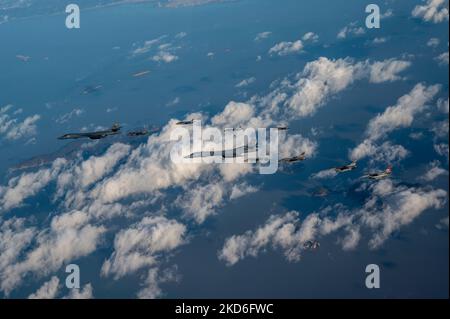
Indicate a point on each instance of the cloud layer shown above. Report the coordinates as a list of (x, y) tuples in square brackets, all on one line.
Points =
[(435, 11), (389, 208)]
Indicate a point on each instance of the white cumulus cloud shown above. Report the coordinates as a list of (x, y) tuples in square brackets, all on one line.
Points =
[(432, 11)]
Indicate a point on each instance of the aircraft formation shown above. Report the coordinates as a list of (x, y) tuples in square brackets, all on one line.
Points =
[(234, 153), (311, 245), (376, 175)]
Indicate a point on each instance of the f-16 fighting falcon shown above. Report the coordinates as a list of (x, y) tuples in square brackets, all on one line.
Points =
[(346, 168), (294, 159), (380, 175), (115, 129)]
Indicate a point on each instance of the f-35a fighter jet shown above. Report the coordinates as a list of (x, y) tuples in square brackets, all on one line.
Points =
[(346, 168), (114, 130)]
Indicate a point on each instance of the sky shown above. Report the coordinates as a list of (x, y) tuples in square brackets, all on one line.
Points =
[(139, 225)]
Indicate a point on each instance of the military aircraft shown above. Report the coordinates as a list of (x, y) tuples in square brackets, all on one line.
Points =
[(346, 168), (233, 153), (294, 159), (380, 175), (143, 132), (115, 129), (188, 122), (311, 245)]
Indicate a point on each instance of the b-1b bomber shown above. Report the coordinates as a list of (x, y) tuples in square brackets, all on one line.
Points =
[(96, 135)]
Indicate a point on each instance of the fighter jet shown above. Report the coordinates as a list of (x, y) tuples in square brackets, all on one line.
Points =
[(346, 168), (311, 245), (294, 159), (143, 132), (115, 129), (380, 175), (234, 153), (189, 122)]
